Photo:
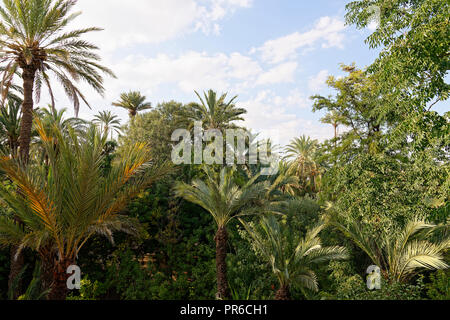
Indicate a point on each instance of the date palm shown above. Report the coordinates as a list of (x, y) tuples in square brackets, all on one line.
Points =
[(300, 154), (215, 112), (34, 41), (292, 258), (335, 119), (67, 202), (133, 102), (108, 122), (225, 200), (50, 117)]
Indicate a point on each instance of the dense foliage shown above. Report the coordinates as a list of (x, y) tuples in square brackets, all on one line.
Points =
[(377, 193)]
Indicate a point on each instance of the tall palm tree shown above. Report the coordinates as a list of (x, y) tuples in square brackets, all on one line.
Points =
[(300, 154), (292, 259), (108, 122), (335, 119), (400, 254), (35, 44), (65, 204), (225, 200), (133, 102), (34, 41), (215, 112)]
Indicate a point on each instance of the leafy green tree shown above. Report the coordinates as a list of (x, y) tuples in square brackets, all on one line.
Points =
[(414, 37), (291, 257), (156, 128), (385, 192), (133, 102), (354, 106), (215, 112), (225, 200), (64, 204)]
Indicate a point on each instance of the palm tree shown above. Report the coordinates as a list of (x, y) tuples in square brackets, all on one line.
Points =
[(284, 182), (63, 205), (33, 41), (10, 126), (335, 119), (50, 118), (225, 200), (300, 154), (291, 258), (134, 102), (400, 254), (214, 112), (108, 122), (34, 45)]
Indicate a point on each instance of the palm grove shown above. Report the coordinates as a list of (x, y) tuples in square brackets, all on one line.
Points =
[(375, 194)]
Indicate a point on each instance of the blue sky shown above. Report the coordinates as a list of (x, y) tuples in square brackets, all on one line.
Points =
[(273, 54)]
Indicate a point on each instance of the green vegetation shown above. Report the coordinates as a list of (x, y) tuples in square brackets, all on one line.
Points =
[(377, 193)]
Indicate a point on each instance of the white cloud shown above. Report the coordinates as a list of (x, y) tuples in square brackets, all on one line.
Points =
[(328, 31), (317, 82), (295, 100), (152, 21), (189, 71), (198, 71), (192, 70), (279, 123), (243, 67), (280, 74)]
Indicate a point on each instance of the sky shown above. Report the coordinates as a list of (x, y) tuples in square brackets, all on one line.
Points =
[(273, 55)]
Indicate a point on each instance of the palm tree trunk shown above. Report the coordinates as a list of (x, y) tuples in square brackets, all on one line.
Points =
[(48, 262), (221, 264), (283, 293), (13, 145), (26, 124), (28, 75), (59, 288)]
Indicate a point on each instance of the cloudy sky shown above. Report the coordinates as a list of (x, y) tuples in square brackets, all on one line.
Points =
[(273, 54)]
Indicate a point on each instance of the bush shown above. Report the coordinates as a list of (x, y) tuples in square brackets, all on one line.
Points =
[(348, 286), (439, 288)]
